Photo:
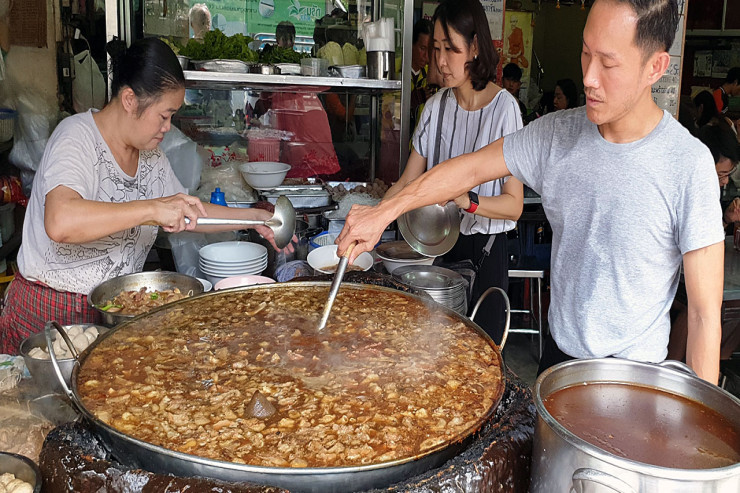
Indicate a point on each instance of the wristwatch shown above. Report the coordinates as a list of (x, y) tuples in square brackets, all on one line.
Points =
[(473, 202)]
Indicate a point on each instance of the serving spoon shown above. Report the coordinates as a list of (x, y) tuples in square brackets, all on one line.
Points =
[(338, 275)]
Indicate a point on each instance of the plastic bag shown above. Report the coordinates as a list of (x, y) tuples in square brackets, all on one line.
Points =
[(184, 158), (88, 86), (33, 127)]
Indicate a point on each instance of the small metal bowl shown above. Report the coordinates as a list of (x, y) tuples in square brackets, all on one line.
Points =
[(229, 66), (264, 69), (153, 281), (22, 468), (42, 370), (350, 71), (184, 61)]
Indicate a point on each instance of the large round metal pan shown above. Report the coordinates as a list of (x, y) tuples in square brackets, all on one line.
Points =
[(136, 453)]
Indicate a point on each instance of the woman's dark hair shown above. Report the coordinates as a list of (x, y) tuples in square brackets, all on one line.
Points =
[(468, 18), (149, 67), (708, 108), (570, 91), (721, 141)]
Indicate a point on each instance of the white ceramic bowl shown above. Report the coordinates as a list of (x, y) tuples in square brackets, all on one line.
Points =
[(324, 259), (236, 281), (207, 286), (264, 174), (237, 252)]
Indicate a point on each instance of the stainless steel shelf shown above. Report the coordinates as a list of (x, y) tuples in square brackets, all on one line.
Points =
[(204, 79)]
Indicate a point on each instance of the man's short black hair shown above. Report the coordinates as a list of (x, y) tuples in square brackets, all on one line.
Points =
[(657, 21), (422, 26), (733, 75), (512, 72)]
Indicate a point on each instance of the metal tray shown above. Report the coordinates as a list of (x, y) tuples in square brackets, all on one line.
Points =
[(230, 66)]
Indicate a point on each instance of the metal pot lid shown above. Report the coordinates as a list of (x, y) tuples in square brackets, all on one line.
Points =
[(431, 230), (429, 277), (398, 250)]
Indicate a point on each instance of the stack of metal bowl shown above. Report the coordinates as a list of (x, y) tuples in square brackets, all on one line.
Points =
[(445, 286)]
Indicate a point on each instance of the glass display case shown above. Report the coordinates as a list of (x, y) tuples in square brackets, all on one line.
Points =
[(329, 126)]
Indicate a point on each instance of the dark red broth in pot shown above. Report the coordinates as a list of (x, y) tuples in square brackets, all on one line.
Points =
[(647, 425)]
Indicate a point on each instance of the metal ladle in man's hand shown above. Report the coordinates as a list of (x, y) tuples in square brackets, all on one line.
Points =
[(338, 275), (282, 222)]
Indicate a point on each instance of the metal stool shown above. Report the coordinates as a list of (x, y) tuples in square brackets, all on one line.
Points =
[(538, 275)]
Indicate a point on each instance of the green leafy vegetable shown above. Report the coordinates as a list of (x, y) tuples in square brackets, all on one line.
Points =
[(108, 306), (278, 54), (217, 45), (154, 296)]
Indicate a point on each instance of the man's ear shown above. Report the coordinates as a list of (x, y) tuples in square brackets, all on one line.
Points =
[(656, 66)]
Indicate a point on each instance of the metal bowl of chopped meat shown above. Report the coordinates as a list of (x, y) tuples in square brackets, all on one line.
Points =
[(124, 297)]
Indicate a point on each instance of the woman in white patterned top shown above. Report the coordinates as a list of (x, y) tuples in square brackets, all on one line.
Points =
[(470, 113), (102, 189)]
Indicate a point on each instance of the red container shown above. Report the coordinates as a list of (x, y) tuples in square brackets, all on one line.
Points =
[(264, 149)]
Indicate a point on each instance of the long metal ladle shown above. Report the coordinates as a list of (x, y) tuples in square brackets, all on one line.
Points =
[(338, 275), (282, 222)]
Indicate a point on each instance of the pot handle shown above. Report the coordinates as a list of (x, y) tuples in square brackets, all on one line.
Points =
[(587, 480), (678, 366), (508, 311), (53, 356)]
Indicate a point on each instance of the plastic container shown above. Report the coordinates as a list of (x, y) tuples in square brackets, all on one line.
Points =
[(316, 67), (218, 197), (322, 239), (263, 149), (7, 221)]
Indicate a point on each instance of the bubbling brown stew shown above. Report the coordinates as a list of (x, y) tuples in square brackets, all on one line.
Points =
[(647, 425), (245, 377), (135, 302)]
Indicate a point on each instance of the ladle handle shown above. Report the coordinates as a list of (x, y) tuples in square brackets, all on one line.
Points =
[(53, 356), (508, 311), (338, 275), (215, 221)]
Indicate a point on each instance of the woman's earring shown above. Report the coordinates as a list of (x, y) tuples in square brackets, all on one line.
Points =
[(475, 57)]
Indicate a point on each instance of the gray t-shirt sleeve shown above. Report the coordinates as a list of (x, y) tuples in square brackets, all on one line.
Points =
[(526, 150), (698, 210)]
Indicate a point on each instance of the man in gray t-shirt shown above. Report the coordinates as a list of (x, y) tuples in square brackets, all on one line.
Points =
[(629, 193)]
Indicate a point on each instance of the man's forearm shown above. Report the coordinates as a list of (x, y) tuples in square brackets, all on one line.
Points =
[(702, 346)]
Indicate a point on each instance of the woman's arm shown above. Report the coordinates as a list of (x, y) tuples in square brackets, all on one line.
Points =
[(415, 167), (68, 218), (508, 205)]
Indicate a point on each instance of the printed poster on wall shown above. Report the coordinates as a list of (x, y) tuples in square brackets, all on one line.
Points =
[(495, 13), (517, 46), (666, 90), (264, 15)]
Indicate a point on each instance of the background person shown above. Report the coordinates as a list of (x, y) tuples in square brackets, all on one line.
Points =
[(102, 188), (469, 113), (285, 34), (731, 87), (421, 49), (200, 20), (512, 82), (565, 95), (630, 195)]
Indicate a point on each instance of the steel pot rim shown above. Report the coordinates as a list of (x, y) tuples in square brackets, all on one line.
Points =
[(614, 460), (290, 471)]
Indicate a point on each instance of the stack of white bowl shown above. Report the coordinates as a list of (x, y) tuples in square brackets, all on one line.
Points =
[(232, 258), (445, 286)]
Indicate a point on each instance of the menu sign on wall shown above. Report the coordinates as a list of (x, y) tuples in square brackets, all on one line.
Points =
[(666, 91), (495, 13)]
